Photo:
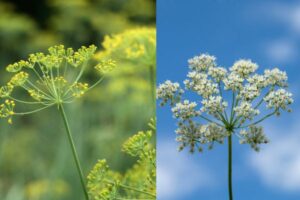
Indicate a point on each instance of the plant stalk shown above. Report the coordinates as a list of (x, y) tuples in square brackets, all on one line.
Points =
[(230, 167), (152, 82), (75, 155)]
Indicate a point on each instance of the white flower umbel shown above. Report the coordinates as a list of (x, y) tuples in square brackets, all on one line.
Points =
[(185, 110), (200, 83), (231, 102), (233, 82), (244, 67), (245, 110), (276, 77), (214, 105), (248, 89), (249, 92), (279, 99), (202, 62), (169, 91)]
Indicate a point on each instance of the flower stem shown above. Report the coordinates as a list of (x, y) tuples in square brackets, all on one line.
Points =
[(152, 82), (230, 167), (132, 188), (70, 138)]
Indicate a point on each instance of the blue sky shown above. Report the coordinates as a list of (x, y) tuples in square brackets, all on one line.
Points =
[(268, 32)]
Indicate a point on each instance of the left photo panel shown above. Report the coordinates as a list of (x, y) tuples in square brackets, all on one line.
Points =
[(77, 100)]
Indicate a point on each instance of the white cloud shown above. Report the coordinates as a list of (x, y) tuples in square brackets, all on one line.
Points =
[(287, 13), (178, 173), (286, 16), (279, 162), (281, 51)]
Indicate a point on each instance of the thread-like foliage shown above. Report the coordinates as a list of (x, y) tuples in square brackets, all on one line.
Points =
[(139, 182)]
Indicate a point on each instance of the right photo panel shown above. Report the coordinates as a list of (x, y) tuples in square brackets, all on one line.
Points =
[(227, 100)]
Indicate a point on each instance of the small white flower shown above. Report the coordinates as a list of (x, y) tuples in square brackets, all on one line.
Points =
[(202, 62), (200, 83), (212, 132), (245, 110), (244, 67), (218, 73), (258, 80), (276, 77), (233, 82), (279, 99), (169, 91), (253, 136), (214, 105), (185, 110), (249, 92)]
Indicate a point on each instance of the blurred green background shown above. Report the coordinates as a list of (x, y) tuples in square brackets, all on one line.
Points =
[(35, 157)]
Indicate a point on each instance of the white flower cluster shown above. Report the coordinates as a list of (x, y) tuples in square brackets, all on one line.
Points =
[(253, 136), (169, 91), (185, 110), (249, 92), (214, 105), (218, 73), (233, 82), (212, 133), (244, 68), (200, 83), (214, 84), (245, 110), (188, 134), (279, 99), (202, 62), (191, 133), (276, 77), (257, 80)]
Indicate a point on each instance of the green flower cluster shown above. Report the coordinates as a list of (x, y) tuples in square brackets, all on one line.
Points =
[(51, 78), (139, 182)]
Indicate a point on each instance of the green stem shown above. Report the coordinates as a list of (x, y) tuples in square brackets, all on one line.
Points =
[(152, 82), (232, 107), (230, 167), (209, 120), (63, 114), (131, 188), (262, 119), (34, 111)]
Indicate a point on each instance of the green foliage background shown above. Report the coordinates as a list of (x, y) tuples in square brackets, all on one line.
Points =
[(35, 158)]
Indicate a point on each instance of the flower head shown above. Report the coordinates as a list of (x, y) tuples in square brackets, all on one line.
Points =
[(50, 78), (185, 110), (169, 91), (275, 77), (229, 102), (254, 136), (136, 45), (244, 67), (245, 110), (202, 62), (279, 99), (233, 82), (200, 83)]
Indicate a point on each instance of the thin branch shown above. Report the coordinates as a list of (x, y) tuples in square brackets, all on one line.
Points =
[(262, 119), (27, 102), (95, 84), (34, 111), (131, 188), (209, 120), (232, 107)]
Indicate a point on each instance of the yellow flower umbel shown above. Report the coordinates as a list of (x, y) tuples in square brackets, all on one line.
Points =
[(136, 50), (52, 78), (135, 45), (139, 182)]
